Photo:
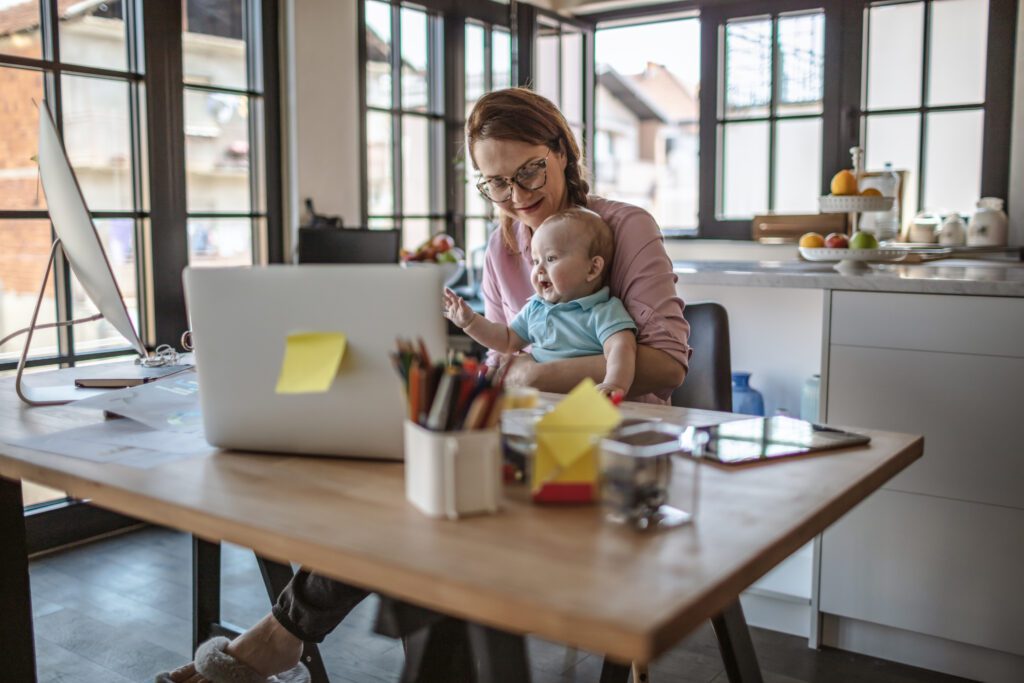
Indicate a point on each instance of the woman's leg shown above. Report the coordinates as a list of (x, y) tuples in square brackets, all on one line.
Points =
[(308, 609)]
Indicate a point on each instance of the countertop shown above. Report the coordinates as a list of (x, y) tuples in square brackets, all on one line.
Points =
[(952, 276)]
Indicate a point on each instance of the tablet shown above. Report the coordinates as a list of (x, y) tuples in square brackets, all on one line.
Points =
[(767, 438)]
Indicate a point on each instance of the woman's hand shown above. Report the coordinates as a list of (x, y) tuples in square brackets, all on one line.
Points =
[(457, 310)]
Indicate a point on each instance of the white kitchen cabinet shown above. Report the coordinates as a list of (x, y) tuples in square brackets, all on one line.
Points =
[(938, 551)]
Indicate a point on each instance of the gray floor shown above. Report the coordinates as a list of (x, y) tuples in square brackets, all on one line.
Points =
[(119, 610)]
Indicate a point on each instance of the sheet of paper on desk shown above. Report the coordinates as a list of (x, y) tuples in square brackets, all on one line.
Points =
[(124, 442), (170, 404)]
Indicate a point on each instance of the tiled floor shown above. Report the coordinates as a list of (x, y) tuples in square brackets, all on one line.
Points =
[(119, 610)]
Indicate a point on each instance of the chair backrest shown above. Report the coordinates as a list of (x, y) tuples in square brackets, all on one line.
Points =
[(348, 245), (708, 383)]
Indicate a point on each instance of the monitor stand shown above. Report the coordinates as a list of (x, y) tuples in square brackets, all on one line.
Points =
[(56, 395)]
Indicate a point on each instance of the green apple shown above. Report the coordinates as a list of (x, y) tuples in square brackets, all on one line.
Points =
[(863, 240)]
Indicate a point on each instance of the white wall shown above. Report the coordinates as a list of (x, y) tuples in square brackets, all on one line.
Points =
[(322, 48)]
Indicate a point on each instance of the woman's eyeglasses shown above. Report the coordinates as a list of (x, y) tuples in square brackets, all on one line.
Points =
[(530, 176)]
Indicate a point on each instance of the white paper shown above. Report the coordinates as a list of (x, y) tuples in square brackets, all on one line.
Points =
[(170, 404), (123, 442)]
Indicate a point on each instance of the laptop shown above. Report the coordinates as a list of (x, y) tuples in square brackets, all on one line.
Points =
[(240, 319)]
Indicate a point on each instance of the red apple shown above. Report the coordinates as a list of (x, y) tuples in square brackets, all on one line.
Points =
[(837, 240)]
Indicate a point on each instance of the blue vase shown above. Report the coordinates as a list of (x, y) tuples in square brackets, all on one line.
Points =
[(745, 398)]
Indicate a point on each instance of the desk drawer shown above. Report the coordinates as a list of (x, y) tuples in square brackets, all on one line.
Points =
[(929, 322)]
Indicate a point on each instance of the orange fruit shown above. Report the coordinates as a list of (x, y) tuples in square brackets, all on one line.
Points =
[(812, 240), (844, 183), (870, 192)]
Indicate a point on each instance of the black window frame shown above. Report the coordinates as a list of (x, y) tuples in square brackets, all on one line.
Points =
[(842, 116), (158, 174)]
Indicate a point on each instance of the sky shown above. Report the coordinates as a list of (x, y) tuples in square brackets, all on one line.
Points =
[(675, 44)]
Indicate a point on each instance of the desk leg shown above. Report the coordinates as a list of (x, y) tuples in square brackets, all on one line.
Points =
[(734, 642), (438, 653), (205, 591), (614, 672), (500, 656), (275, 577), (15, 596)]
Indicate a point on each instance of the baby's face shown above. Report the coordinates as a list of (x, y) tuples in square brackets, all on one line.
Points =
[(562, 268)]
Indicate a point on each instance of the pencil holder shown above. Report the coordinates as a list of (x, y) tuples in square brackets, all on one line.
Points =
[(452, 474)]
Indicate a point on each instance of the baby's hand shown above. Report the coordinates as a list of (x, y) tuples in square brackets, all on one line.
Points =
[(616, 394), (457, 310)]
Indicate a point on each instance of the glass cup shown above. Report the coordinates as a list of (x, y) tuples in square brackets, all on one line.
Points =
[(640, 464)]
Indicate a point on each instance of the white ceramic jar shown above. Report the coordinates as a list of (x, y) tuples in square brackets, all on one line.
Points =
[(953, 231), (988, 226)]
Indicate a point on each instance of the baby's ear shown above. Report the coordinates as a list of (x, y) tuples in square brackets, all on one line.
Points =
[(596, 268)]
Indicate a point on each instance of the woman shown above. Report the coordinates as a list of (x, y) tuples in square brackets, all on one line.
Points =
[(529, 163), (530, 168)]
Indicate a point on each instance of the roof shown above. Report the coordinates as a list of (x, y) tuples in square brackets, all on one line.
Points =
[(627, 92)]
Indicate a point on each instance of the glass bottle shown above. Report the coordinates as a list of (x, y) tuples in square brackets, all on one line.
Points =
[(745, 398)]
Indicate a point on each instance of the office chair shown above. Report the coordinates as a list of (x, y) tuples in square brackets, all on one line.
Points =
[(708, 384), (348, 245)]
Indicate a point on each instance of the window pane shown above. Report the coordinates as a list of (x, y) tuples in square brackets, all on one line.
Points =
[(378, 54), (893, 138), (546, 70), (797, 165), (501, 60), (895, 51), (476, 237), (217, 151), (97, 136), (744, 169), (20, 35), (958, 46), (118, 238), (748, 67), (952, 171), (380, 194), (646, 140), (93, 34), (381, 223), (416, 175), (415, 64), (213, 44), (802, 57), (474, 65), (572, 77), (220, 241), (19, 119), (22, 262)]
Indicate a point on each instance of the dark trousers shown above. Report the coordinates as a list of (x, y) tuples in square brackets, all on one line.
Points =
[(311, 606)]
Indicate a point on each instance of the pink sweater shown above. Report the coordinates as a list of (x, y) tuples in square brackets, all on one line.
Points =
[(641, 276)]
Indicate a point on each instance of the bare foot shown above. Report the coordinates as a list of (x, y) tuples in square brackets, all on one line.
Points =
[(267, 648)]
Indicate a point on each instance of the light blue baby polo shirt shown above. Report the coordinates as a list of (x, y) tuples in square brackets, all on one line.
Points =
[(572, 328)]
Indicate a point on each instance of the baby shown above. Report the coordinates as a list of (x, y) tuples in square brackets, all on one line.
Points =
[(572, 313)]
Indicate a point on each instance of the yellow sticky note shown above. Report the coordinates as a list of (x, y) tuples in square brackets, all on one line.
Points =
[(311, 361), (569, 433)]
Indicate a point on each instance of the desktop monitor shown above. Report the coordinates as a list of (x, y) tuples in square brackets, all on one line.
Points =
[(81, 244)]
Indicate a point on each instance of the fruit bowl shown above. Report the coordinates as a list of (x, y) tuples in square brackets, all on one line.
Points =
[(853, 203), (453, 270), (852, 260)]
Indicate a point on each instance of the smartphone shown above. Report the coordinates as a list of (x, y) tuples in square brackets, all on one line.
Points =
[(760, 439), (111, 382)]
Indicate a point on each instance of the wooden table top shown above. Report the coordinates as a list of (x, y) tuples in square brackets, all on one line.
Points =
[(561, 573)]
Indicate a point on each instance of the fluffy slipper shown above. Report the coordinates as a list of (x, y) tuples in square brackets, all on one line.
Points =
[(217, 666)]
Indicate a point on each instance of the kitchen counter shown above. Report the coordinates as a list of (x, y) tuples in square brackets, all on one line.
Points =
[(950, 276)]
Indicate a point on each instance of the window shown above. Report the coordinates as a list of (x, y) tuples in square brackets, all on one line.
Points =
[(224, 148), (924, 100), (488, 66), (647, 118), (769, 121), (112, 76), (405, 123)]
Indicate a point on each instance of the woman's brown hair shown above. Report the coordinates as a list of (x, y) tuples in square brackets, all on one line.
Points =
[(522, 115)]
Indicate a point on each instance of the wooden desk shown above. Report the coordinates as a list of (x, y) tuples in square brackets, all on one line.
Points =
[(560, 573)]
